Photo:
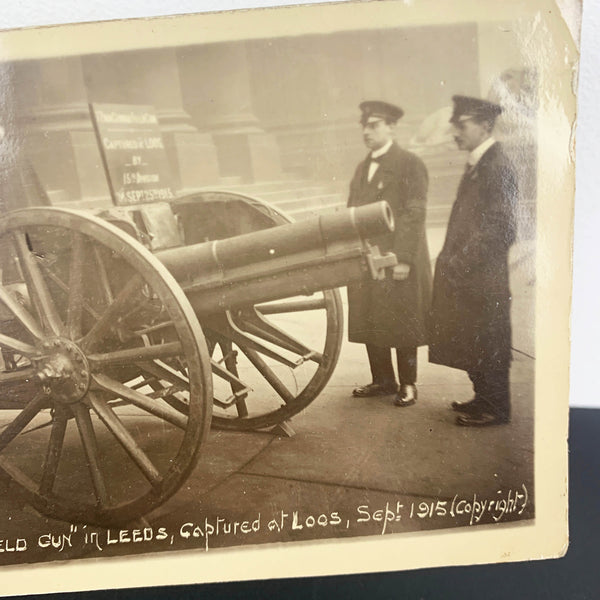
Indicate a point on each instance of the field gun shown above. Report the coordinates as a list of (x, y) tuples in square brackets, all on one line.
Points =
[(126, 331)]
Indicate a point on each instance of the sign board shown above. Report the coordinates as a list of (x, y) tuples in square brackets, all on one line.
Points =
[(133, 152)]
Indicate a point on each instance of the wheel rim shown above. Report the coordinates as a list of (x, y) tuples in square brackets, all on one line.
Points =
[(84, 379), (256, 380)]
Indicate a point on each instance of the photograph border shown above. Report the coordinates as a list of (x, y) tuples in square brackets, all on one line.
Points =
[(547, 536)]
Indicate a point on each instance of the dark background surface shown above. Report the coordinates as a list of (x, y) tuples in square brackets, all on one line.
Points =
[(576, 576)]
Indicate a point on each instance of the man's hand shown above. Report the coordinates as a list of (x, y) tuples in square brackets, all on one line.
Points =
[(400, 272)]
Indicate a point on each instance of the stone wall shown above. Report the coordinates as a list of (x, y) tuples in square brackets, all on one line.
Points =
[(255, 111)]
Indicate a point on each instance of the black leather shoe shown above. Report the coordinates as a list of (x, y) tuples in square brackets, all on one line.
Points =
[(469, 406), (407, 395), (483, 419), (374, 389)]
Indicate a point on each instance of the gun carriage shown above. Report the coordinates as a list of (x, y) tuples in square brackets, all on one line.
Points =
[(126, 331)]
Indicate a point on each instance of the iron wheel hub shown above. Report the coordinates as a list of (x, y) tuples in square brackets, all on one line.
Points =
[(63, 370)]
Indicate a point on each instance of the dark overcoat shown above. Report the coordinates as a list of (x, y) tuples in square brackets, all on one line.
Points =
[(392, 313), (470, 314)]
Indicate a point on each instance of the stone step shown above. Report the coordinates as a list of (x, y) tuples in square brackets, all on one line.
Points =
[(265, 187), (290, 194), (308, 212), (301, 198), (307, 202), (437, 216), (438, 208), (442, 195), (230, 181), (443, 172)]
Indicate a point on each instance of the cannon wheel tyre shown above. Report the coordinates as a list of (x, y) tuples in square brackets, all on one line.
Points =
[(275, 391), (85, 430)]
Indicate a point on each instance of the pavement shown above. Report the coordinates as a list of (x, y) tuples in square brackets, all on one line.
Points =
[(350, 463)]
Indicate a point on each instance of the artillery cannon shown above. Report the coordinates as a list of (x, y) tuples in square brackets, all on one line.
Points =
[(121, 351)]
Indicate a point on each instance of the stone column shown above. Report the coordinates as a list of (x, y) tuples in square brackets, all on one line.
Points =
[(58, 137), (217, 92), (151, 77)]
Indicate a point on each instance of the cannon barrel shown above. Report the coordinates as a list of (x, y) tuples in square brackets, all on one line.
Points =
[(90, 316), (288, 260)]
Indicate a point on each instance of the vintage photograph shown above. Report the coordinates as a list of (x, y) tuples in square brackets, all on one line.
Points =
[(265, 289)]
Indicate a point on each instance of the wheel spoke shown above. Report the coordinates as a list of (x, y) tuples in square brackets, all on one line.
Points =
[(37, 287), (116, 427), (289, 306), (65, 288), (76, 289), (226, 369), (228, 376), (25, 375), (154, 328), (162, 371), (266, 371), (103, 276), (22, 420), (155, 407), (21, 313), (16, 474), (129, 355), (17, 346), (239, 388), (179, 382), (111, 314), (255, 324), (90, 446), (79, 286), (174, 401), (232, 332), (55, 445)]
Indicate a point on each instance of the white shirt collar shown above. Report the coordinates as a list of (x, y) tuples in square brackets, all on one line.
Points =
[(478, 152), (381, 151)]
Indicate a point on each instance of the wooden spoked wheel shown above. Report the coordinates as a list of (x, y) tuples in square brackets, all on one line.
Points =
[(271, 360), (85, 430)]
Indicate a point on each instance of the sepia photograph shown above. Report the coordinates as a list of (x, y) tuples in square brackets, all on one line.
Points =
[(285, 292)]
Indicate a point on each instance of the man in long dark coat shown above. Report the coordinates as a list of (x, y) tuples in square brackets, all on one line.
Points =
[(470, 316), (392, 313)]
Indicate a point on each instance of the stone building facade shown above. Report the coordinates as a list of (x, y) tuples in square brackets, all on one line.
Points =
[(245, 114)]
